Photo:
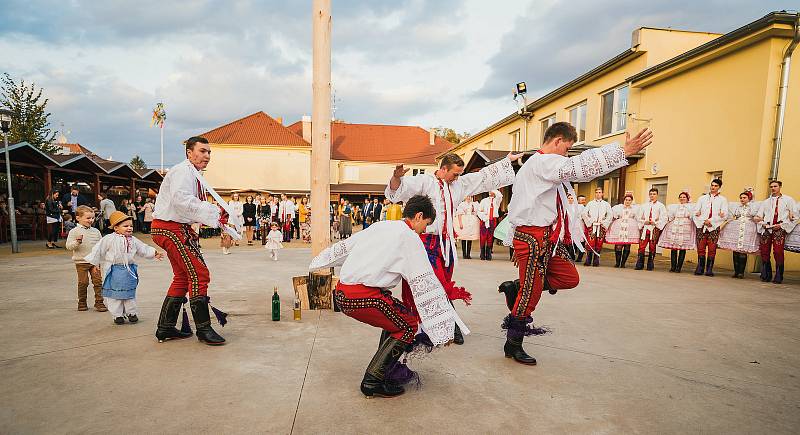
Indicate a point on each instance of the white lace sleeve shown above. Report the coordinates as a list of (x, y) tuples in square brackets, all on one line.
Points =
[(591, 164), (494, 176), (409, 186), (334, 255)]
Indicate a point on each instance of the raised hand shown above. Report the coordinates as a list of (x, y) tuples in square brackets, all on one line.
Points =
[(514, 157), (637, 143), (399, 171)]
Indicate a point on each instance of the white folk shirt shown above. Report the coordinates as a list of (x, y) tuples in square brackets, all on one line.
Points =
[(786, 217), (652, 211), (179, 199), (237, 208), (286, 210), (365, 260), (596, 215), (107, 208), (542, 178), (489, 206), (492, 177), (713, 207), (577, 210), (118, 249)]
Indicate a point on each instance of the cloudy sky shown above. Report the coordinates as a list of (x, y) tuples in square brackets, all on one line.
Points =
[(104, 64)]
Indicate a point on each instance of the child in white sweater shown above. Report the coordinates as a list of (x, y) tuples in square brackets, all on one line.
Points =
[(116, 253), (80, 241), (274, 239)]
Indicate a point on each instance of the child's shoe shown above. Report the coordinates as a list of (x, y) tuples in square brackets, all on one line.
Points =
[(133, 318), (82, 305), (119, 320), (100, 306)]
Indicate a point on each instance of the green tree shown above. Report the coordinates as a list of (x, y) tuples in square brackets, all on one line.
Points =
[(30, 123), (137, 163), (450, 134)]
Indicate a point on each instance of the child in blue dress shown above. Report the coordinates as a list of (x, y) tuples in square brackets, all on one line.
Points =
[(115, 253)]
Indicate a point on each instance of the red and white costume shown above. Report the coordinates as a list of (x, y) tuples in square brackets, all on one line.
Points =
[(652, 218)]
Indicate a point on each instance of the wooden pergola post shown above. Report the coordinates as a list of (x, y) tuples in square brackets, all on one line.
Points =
[(321, 126)]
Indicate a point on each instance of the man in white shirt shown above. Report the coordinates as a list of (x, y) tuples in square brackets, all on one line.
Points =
[(540, 221), (181, 201), (286, 212), (710, 212), (487, 213), (580, 207), (447, 188), (775, 220), (652, 218), (106, 208), (369, 272), (597, 217)]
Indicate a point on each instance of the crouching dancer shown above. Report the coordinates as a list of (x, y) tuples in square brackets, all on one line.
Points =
[(540, 221), (369, 270)]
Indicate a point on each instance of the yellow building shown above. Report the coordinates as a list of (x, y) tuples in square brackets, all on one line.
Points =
[(710, 100), (258, 154)]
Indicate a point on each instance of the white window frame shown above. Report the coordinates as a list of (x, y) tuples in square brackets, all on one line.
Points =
[(550, 120), (513, 140), (616, 115), (581, 122)]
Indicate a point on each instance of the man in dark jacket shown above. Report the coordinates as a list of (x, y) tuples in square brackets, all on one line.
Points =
[(72, 201)]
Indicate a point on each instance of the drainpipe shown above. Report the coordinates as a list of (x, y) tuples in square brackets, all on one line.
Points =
[(786, 66)]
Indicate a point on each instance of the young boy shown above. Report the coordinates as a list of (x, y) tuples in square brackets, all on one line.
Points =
[(80, 241), (116, 252)]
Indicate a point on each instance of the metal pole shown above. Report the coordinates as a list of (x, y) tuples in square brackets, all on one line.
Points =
[(162, 148), (321, 126), (12, 216)]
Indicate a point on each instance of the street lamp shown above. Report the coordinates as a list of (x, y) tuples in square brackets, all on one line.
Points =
[(522, 110), (5, 127)]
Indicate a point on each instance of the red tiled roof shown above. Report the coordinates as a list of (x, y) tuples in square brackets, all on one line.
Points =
[(256, 129), (382, 143)]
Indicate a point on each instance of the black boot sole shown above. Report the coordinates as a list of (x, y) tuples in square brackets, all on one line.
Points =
[(521, 362), (211, 343)]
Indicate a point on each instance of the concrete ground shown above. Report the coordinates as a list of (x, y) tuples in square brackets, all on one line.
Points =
[(630, 352)]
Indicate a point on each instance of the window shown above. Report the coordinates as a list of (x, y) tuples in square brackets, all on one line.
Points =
[(513, 140), (614, 111), (488, 145), (660, 184), (417, 171), (351, 173), (546, 123), (577, 117)]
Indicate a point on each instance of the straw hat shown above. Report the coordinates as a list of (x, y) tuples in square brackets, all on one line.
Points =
[(118, 217)]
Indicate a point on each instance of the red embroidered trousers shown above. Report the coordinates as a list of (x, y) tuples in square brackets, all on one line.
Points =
[(707, 242), (773, 240), (487, 234), (534, 252), (190, 274), (377, 307), (649, 239)]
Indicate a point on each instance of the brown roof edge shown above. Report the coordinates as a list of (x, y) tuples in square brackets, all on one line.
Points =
[(622, 58), (777, 17)]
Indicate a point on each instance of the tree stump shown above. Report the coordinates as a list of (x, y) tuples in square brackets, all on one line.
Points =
[(315, 290)]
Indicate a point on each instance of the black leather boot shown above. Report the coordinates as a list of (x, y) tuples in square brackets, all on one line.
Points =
[(639, 262), (596, 260), (626, 251), (766, 271), (580, 257), (588, 261), (489, 252), (513, 349), (673, 260), (168, 318), (458, 337), (710, 266), (469, 249), (202, 320), (681, 257), (374, 383), (778, 273), (650, 257), (742, 265), (510, 289), (701, 265), (617, 258), (384, 336), (483, 252)]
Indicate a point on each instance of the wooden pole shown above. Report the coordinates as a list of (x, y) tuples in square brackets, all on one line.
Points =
[(321, 126)]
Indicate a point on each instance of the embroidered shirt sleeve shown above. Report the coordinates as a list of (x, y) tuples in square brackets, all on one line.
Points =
[(591, 164), (409, 186), (494, 176)]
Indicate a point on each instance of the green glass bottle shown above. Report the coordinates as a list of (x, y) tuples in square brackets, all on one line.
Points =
[(276, 306)]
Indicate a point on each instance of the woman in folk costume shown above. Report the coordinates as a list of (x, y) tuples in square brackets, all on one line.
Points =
[(181, 201), (793, 238), (652, 218), (447, 187), (487, 211), (237, 208), (679, 232), (740, 234), (710, 212), (775, 220), (597, 217), (369, 271), (539, 223), (468, 227), (624, 230)]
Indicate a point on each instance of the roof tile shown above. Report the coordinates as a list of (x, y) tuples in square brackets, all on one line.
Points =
[(256, 129)]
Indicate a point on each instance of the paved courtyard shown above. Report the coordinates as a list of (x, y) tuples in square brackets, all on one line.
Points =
[(630, 352)]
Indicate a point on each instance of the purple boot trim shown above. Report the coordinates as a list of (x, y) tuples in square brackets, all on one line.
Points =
[(400, 374), (518, 328)]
